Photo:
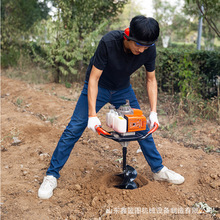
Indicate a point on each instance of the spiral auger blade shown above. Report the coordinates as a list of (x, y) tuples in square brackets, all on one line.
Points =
[(129, 173), (128, 177)]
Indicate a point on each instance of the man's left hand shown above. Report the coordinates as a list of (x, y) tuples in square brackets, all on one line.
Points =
[(152, 119)]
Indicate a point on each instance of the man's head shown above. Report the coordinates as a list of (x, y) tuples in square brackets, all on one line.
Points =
[(143, 29), (143, 33)]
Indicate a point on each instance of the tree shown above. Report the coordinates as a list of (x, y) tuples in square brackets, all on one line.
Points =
[(76, 29), (131, 9), (164, 14), (211, 12), (181, 27), (17, 17), (22, 14)]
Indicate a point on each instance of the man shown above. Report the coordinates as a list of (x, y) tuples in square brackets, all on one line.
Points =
[(118, 55)]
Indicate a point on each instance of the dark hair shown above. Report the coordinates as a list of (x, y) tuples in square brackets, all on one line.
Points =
[(144, 29)]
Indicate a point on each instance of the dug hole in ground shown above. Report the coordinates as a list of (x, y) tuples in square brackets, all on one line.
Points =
[(33, 119)]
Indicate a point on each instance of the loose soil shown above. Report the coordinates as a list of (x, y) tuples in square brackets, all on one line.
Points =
[(33, 119)]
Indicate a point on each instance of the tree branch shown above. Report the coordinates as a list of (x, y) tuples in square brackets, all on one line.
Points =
[(209, 21)]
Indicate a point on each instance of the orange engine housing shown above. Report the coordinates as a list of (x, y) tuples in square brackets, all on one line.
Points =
[(136, 121)]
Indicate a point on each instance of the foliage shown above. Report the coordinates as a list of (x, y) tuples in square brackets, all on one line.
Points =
[(181, 27), (195, 106), (131, 9), (163, 13), (210, 13), (21, 14), (174, 24), (189, 79), (17, 17), (188, 72), (76, 31)]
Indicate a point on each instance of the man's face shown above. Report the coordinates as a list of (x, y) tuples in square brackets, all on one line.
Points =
[(135, 48)]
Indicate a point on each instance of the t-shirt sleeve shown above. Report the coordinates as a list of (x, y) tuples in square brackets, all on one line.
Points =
[(100, 56), (150, 64)]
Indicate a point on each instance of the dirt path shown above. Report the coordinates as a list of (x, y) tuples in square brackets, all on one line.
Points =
[(33, 119)]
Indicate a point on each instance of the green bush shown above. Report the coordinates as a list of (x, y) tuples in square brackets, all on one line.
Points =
[(12, 53), (10, 57), (188, 72)]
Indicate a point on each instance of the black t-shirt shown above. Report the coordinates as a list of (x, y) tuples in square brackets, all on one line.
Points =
[(117, 65)]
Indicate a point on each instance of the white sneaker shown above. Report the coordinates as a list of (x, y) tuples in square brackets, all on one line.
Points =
[(168, 175), (46, 189)]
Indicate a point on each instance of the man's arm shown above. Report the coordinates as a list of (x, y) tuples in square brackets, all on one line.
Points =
[(152, 90), (93, 90), (152, 95)]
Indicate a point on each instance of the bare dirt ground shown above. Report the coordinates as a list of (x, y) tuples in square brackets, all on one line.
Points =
[(33, 118)]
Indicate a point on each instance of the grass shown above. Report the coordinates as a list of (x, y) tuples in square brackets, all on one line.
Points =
[(65, 98), (68, 85), (19, 102), (52, 119), (13, 133), (31, 74), (184, 121), (209, 149)]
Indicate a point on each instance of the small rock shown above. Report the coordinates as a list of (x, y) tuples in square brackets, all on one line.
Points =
[(133, 159), (16, 141), (215, 184), (181, 165), (72, 217), (84, 142), (191, 198), (3, 149), (94, 201), (77, 187), (43, 156), (25, 173), (189, 203), (138, 150), (109, 201), (214, 176), (218, 201), (6, 167)]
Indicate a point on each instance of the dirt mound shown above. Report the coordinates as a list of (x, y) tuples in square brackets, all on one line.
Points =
[(33, 119)]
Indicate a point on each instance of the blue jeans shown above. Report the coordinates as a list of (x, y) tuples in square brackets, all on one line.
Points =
[(79, 121)]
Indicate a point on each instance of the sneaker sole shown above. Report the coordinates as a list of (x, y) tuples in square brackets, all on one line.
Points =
[(45, 196), (173, 182)]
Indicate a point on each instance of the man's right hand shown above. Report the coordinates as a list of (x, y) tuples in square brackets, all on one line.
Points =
[(92, 122)]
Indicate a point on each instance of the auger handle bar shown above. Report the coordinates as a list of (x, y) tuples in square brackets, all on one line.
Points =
[(120, 138)]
